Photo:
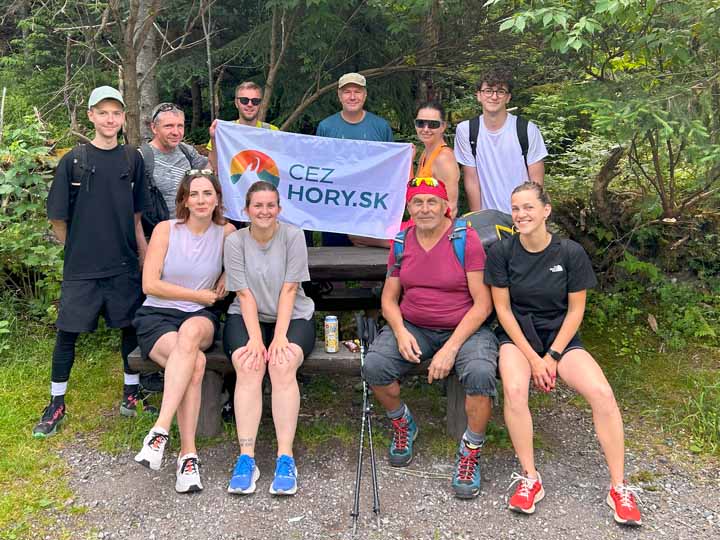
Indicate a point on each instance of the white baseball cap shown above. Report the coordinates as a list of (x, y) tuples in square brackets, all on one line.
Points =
[(351, 78), (104, 92)]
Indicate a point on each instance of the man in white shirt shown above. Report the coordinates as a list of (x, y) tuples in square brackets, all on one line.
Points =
[(499, 162)]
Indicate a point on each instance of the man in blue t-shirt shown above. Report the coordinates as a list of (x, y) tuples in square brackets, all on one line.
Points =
[(353, 122)]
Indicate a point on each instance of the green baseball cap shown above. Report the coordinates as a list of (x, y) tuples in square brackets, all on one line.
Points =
[(104, 92)]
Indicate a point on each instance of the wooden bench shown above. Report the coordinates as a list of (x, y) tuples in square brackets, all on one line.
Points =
[(342, 363)]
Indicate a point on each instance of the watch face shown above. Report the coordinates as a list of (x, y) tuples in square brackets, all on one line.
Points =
[(554, 355)]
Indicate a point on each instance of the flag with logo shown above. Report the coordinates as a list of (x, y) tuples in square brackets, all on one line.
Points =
[(332, 185)]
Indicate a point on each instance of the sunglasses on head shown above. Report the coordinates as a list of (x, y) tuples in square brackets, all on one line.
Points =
[(432, 124), (200, 172), (245, 100), (428, 181), (164, 107)]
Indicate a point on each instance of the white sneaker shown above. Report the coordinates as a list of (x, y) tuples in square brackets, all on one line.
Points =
[(188, 474), (151, 453)]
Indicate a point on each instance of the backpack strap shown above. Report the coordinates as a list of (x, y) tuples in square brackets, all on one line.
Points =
[(522, 134), (149, 159), (80, 162), (474, 131), (398, 248), (185, 149), (458, 238)]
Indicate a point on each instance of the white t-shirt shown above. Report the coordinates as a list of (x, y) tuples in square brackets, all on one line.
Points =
[(499, 161)]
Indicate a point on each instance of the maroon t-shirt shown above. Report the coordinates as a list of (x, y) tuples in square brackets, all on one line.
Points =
[(435, 291)]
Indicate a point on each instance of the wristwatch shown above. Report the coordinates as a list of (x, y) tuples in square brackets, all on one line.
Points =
[(554, 355)]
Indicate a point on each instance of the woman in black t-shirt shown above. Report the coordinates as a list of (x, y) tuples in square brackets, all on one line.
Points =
[(539, 286)]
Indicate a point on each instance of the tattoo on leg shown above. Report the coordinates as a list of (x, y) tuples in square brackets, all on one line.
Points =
[(249, 441)]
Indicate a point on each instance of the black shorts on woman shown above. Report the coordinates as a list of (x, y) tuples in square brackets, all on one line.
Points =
[(152, 323), (301, 332)]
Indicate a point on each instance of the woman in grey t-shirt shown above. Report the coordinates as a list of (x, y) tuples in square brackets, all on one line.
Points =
[(269, 327)]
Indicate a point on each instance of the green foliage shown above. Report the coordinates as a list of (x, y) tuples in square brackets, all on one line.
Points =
[(30, 263)]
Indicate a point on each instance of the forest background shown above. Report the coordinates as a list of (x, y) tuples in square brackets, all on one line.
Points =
[(626, 93)]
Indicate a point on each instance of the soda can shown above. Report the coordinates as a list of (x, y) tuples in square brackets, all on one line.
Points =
[(331, 334)]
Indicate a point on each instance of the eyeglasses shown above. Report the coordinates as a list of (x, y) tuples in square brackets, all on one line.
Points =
[(245, 100), (488, 92), (422, 123), (164, 107), (200, 172), (428, 181)]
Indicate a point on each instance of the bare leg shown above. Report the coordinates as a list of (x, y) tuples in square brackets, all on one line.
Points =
[(478, 410), (388, 396), (248, 403), (579, 370), (286, 399), (515, 374), (189, 409)]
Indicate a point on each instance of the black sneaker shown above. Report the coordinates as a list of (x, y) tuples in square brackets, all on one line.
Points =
[(152, 382), (129, 404), (52, 417)]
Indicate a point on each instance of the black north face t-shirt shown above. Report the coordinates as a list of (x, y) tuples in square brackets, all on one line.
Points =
[(539, 283), (101, 229)]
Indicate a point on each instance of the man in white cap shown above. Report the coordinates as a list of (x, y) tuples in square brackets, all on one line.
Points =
[(94, 207), (353, 122)]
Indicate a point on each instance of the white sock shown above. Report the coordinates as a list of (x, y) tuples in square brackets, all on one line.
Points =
[(58, 388), (132, 379)]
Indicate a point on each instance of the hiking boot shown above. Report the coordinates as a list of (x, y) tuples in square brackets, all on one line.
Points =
[(188, 474), (623, 500), (151, 453), (244, 476), (51, 418), (152, 382), (466, 480), (129, 404), (405, 432), (528, 492), (285, 481)]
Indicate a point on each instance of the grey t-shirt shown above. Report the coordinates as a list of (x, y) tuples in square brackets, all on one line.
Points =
[(169, 169), (264, 270)]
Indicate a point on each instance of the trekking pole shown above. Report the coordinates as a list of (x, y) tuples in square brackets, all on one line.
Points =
[(362, 329), (372, 332)]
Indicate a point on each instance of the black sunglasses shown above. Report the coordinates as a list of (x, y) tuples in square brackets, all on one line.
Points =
[(432, 124), (245, 100), (164, 107)]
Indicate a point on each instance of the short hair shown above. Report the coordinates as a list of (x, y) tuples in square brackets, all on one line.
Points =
[(249, 85), (497, 76), (261, 185), (162, 108), (182, 212), (434, 105), (540, 192)]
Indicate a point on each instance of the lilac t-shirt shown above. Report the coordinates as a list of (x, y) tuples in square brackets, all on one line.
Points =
[(435, 289)]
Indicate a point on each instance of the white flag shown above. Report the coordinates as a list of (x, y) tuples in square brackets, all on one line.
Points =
[(332, 185)]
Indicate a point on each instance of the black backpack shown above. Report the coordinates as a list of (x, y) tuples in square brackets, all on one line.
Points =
[(522, 135), (82, 172), (155, 209)]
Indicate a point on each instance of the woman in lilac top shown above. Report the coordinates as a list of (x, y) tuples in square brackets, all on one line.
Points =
[(182, 276)]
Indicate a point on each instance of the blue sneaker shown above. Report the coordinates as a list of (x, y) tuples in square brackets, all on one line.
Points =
[(466, 480), (405, 432), (244, 476), (285, 481)]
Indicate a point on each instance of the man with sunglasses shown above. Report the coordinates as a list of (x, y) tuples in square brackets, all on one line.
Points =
[(248, 97), (504, 151), (169, 155), (353, 122)]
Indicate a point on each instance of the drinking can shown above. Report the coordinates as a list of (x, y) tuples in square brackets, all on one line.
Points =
[(331, 334)]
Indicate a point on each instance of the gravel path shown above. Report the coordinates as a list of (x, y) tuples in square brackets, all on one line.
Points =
[(126, 501)]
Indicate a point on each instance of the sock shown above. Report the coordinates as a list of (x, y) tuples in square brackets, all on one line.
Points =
[(473, 440), (131, 379), (401, 411), (58, 389)]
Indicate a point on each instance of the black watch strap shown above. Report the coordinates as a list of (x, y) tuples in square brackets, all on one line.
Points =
[(554, 355)]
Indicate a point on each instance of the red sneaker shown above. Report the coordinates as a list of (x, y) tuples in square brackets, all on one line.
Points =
[(528, 492), (623, 500)]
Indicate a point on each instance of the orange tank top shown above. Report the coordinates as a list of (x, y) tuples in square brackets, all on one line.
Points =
[(424, 169)]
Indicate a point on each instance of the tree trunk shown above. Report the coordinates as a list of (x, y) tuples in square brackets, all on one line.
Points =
[(601, 183), (196, 97), (146, 59), (431, 35)]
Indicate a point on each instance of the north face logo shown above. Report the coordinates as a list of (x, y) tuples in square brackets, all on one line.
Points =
[(556, 268)]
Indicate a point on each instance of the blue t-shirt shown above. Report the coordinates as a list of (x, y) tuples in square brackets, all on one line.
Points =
[(371, 128)]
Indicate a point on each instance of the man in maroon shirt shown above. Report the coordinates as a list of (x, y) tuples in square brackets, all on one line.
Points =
[(436, 311)]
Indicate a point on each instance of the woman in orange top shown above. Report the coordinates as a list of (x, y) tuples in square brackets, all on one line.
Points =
[(437, 159)]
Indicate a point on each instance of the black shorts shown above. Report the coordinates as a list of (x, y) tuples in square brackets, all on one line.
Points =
[(301, 332), (546, 336), (82, 301), (152, 323)]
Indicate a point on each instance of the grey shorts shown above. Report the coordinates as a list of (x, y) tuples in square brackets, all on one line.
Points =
[(475, 363)]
